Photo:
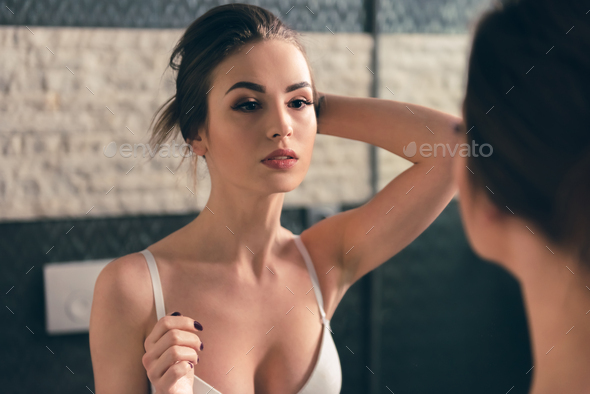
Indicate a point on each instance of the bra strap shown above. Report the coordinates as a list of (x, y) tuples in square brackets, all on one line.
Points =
[(314, 279), (156, 284)]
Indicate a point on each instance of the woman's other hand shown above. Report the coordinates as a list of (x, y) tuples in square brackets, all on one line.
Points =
[(171, 353)]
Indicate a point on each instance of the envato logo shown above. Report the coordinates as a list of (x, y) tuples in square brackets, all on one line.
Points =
[(126, 150), (465, 150)]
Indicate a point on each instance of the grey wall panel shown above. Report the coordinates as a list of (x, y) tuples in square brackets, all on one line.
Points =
[(404, 16), (429, 16), (340, 15)]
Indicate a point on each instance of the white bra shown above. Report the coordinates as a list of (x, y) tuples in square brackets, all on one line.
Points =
[(326, 377)]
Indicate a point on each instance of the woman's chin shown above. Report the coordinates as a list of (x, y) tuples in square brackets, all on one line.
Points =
[(282, 187)]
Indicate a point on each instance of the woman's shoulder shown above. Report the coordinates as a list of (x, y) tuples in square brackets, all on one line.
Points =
[(117, 328), (124, 288)]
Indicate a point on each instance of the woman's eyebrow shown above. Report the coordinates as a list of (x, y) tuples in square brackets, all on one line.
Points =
[(262, 89)]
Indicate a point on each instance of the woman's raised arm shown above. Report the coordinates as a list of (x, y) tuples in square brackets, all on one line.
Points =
[(374, 232)]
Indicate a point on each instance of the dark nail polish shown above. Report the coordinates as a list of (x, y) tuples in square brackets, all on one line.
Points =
[(191, 364), (198, 326), (176, 314), (201, 345)]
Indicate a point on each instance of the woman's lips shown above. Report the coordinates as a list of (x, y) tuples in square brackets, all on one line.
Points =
[(279, 164), (281, 152)]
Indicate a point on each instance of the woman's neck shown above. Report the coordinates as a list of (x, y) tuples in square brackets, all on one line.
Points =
[(240, 230), (557, 302)]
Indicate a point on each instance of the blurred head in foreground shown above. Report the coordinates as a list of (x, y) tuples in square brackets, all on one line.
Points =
[(526, 206)]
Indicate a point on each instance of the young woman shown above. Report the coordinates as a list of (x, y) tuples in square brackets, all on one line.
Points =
[(224, 304), (526, 207)]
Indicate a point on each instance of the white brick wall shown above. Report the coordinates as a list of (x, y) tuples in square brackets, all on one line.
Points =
[(56, 84), (424, 69)]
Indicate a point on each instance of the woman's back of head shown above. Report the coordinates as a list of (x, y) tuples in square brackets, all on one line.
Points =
[(528, 96)]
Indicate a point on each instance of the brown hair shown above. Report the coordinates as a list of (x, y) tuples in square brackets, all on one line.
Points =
[(527, 96), (211, 38)]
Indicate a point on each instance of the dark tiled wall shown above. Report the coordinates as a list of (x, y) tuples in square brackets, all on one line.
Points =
[(407, 16), (450, 322)]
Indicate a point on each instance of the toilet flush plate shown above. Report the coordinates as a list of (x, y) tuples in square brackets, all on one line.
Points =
[(69, 288)]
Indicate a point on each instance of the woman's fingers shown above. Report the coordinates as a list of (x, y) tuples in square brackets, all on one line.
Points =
[(171, 350), (175, 378), (168, 323), (177, 357), (176, 337)]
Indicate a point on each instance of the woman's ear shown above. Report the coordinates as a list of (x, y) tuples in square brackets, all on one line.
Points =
[(492, 212), (197, 144)]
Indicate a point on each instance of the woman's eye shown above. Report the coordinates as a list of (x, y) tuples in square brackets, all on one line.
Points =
[(250, 106), (304, 103), (247, 104)]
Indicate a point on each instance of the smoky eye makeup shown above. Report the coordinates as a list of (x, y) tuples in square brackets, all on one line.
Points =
[(249, 105), (241, 104), (304, 102)]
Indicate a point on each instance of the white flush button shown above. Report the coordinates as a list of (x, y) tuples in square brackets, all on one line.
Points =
[(69, 288)]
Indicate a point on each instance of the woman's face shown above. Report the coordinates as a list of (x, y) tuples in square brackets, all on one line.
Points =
[(249, 121)]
